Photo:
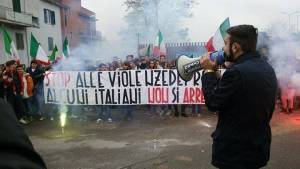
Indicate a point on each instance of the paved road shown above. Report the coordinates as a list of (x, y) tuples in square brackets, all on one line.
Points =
[(151, 143)]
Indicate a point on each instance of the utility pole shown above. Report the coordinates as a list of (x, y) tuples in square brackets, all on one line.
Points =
[(138, 44), (156, 14)]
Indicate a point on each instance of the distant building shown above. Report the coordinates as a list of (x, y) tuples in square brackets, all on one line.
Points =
[(47, 30), (78, 24), (50, 21), (15, 19), (20, 18), (191, 49)]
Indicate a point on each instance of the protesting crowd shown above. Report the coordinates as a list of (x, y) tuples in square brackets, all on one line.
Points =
[(22, 87)]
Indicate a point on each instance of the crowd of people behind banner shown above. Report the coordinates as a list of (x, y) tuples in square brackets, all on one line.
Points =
[(22, 87)]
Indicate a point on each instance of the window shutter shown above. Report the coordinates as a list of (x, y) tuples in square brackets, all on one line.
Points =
[(16, 5), (50, 43), (52, 17), (45, 16), (20, 41)]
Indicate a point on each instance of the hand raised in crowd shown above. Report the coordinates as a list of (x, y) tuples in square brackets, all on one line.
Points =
[(10, 79), (206, 62)]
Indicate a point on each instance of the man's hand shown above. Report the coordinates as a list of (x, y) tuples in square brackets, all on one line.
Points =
[(206, 63), (9, 79), (228, 64)]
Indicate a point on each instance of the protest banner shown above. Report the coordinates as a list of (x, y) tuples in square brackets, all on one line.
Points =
[(132, 87)]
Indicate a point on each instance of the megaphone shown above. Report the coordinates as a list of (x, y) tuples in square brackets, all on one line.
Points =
[(187, 66)]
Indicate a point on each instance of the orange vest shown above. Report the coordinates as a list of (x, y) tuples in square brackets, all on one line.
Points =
[(30, 86)]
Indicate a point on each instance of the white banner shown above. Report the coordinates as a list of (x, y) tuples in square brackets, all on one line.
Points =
[(133, 87)]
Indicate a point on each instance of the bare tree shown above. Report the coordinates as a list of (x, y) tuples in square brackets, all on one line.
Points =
[(146, 17)]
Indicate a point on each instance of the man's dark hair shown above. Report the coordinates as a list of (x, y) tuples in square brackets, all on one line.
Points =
[(101, 65), (33, 61), (126, 63), (11, 62), (244, 35), (129, 56)]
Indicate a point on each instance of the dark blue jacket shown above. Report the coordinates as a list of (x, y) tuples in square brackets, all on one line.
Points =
[(245, 99)]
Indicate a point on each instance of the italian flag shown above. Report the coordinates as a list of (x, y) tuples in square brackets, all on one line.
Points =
[(146, 51), (10, 48), (52, 57), (37, 52), (66, 49), (217, 41), (159, 45)]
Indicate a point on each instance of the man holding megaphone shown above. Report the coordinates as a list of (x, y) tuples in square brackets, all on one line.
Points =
[(244, 98)]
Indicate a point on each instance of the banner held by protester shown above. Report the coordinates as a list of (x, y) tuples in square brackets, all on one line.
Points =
[(134, 87)]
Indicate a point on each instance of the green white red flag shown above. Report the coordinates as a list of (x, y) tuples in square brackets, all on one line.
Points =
[(217, 41)]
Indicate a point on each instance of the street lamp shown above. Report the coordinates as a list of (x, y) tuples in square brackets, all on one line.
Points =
[(290, 14)]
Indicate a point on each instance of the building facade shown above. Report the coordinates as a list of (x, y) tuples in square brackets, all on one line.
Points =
[(50, 21), (78, 24), (15, 19), (47, 29)]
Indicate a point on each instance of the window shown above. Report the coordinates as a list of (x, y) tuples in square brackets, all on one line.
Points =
[(66, 18), (50, 43), (35, 21), (16, 5), (20, 41), (49, 17)]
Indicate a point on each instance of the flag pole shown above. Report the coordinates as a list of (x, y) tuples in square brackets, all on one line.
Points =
[(156, 12), (138, 45)]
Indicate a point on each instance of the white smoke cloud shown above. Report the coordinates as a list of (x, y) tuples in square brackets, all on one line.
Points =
[(145, 17), (142, 22), (83, 57), (284, 56)]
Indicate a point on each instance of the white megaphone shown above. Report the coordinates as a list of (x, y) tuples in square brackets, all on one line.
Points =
[(187, 66)]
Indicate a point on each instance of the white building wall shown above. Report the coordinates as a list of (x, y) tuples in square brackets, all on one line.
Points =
[(46, 30), (36, 8), (24, 4), (6, 3), (12, 30), (32, 7), (22, 53)]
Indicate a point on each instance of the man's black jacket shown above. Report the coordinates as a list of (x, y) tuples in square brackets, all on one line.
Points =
[(245, 99), (37, 75), (16, 150)]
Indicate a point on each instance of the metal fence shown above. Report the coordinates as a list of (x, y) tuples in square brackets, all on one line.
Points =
[(192, 49)]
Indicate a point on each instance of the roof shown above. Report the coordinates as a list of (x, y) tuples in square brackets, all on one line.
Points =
[(57, 3), (86, 12)]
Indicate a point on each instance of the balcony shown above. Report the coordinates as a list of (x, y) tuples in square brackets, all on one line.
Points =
[(7, 15)]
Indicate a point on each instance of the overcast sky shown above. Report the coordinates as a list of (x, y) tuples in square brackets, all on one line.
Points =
[(207, 15)]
